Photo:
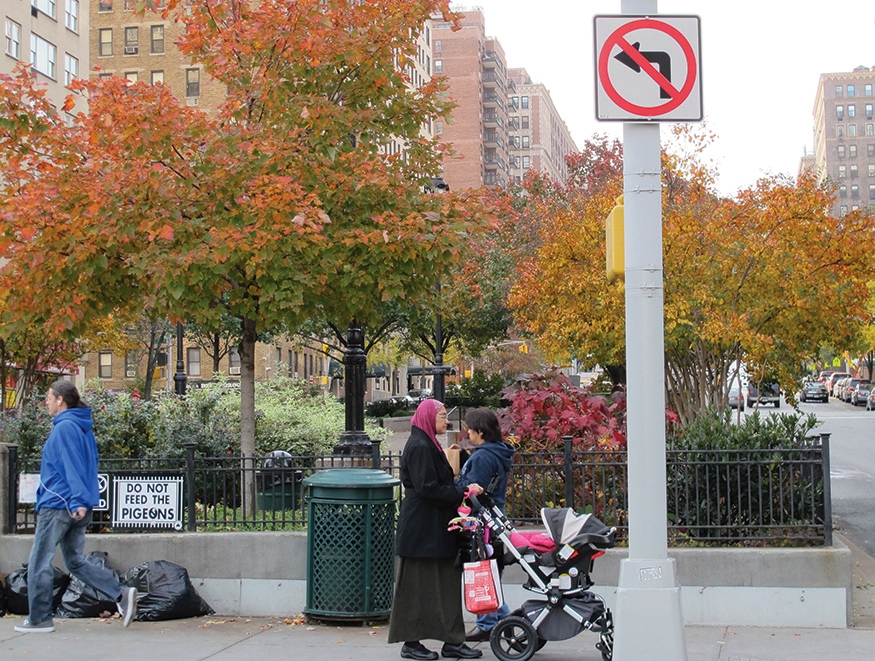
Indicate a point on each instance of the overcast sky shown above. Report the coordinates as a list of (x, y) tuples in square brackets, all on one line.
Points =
[(761, 60)]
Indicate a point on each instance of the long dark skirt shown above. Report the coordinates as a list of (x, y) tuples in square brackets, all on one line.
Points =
[(428, 601)]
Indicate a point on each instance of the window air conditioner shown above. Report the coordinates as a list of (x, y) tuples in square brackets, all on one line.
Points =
[(131, 374), (191, 101), (130, 50), (234, 370)]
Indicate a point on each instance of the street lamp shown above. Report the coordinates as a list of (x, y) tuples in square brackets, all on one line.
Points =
[(440, 385), (180, 378), (354, 440)]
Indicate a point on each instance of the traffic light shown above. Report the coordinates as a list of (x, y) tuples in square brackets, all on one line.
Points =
[(616, 262), (524, 348)]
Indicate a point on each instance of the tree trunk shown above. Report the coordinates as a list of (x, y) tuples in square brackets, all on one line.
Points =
[(247, 412), (217, 357)]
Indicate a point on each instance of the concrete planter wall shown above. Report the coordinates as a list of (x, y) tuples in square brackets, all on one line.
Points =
[(265, 574)]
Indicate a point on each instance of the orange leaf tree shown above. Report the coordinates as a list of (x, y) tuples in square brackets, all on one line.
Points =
[(764, 278), (279, 205)]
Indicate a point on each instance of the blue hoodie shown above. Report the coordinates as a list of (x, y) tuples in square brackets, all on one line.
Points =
[(68, 472), (487, 460)]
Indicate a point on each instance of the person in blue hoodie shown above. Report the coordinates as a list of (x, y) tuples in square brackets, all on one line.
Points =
[(491, 460), (66, 496)]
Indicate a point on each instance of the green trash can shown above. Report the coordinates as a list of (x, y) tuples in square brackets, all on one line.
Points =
[(279, 484), (350, 544)]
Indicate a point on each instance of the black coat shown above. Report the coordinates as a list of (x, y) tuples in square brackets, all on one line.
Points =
[(430, 500)]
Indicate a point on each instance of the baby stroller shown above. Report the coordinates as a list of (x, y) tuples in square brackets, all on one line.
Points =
[(558, 569)]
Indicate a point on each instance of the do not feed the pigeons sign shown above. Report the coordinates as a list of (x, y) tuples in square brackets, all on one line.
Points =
[(648, 68)]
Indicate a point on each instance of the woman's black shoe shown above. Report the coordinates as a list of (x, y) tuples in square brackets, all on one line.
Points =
[(417, 651), (460, 651)]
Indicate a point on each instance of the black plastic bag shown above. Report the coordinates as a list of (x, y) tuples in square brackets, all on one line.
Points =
[(165, 592), (81, 600), (16, 590), (2, 598)]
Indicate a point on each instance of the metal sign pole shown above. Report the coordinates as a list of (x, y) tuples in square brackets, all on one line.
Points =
[(649, 624)]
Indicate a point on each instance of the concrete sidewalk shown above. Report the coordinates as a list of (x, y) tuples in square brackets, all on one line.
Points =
[(241, 639)]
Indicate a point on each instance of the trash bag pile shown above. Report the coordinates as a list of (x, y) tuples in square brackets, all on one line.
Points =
[(165, 592)]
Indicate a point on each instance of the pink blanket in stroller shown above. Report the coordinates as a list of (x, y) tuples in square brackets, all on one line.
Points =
[(535, 540)]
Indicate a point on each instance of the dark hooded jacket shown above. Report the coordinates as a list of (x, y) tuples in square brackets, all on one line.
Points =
[(68, 471), (486, 461)]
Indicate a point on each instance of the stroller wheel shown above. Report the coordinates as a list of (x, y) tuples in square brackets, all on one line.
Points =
[(514, 639), (606, 645)]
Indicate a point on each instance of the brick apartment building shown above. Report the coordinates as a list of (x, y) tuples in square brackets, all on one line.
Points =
[(540, 140), (844, 136)]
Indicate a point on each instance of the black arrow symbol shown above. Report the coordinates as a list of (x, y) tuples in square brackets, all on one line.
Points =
[(659, 58)]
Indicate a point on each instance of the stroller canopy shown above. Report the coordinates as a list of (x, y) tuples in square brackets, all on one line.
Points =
[(567, 527)]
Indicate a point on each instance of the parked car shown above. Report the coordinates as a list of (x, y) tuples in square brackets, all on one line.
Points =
[(831, 381), (413, 397), (813, 391), (847, 388), (736, 399), (770, 393), (860, 393)]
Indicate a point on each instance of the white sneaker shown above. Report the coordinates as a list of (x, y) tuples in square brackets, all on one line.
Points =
[(127, 605), (43, 627)]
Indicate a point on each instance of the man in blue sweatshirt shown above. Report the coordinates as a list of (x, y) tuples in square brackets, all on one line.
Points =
[(65, 499)]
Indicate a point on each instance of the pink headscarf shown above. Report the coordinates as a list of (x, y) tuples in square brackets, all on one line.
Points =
[(425, 418)]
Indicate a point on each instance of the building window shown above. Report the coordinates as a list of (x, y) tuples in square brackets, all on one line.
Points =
[(525, 142), (840, 131), (852, 130), (234, 362), (157, 39), (515, 101), (13, 39), (71, 68), (852, 151), (192, 82), (438, 128), (854, 171), (870, 150), (156, 77), (872, 191), (525, 121), (868, 109), (131, 364), (852, 110), (840, 112), (104, 5), (839, 91), (437, 47), (130, 5), (870, 129), (843, 191), (852, 90), (42, 55), (855, 190), (438, 66), (105, 49), (867, 90), (842, 172), (71, 15), (193, 359), (524, 102), (132, 39), (105, 364), (871, 170), (47, 7), (527, 163), (132, 76), (841, 151), (843, 209)]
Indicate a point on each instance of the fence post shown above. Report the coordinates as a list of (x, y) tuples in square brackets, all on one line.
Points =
[(827, 490), (9, 487), (189, 486), (569, 484), (375, 453)]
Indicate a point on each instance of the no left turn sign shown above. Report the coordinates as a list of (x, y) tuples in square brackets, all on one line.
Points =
[(648, 68)]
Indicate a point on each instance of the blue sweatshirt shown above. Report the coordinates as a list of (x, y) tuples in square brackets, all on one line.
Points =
[(487, 460), (68, 472)]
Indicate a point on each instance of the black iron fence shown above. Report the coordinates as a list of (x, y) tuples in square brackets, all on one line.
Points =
[(724, 497)]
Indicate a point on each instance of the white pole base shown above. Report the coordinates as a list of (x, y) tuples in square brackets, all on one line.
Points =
[(648, 623)]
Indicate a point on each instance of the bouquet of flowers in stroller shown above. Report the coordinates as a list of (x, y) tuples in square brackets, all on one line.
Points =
[(557, 566)]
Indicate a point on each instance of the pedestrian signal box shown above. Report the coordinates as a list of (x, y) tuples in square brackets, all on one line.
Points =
[(616, 263)]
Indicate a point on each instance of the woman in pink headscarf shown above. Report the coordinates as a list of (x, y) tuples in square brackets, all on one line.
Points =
[(428, 587)]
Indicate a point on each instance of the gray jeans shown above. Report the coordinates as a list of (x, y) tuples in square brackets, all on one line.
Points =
[(55, 527)]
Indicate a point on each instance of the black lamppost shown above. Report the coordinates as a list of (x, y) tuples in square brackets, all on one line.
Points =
[(439, 389), (354, 440), (180, 378)]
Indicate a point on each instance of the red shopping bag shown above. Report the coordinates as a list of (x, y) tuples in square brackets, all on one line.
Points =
[(482, 586)]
